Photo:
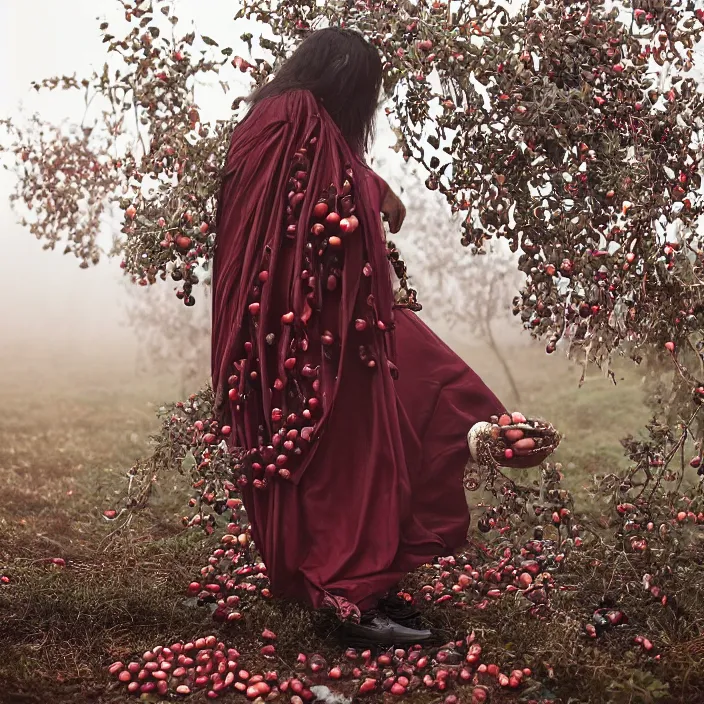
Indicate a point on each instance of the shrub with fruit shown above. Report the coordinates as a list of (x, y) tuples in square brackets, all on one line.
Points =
[(569, 130)]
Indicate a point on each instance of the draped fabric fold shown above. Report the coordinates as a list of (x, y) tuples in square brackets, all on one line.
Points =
[(354, 475), (299, 271)]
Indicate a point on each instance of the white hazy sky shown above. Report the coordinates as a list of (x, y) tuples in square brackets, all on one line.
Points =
[(47, 298)]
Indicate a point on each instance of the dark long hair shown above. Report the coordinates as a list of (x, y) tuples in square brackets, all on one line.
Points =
[(342, 70)]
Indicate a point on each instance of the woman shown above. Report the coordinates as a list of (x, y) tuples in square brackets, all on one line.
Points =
[(353, 413)]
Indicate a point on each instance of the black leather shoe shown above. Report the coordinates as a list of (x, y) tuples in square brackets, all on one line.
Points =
[(376, 628), (400, 611)]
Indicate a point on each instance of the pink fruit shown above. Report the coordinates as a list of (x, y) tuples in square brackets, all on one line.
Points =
[(517, 417), (479, 695), (349, 224), (287, 318), (505, 419), (525, 580), (124, 676), (670, 346), (335, 241), (110, 513), (183, 689)]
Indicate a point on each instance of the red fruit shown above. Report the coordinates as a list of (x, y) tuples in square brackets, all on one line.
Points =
[(695, 462), (58, 561), (505, 419), (369, 685), (320, 210), (124, 676), (525, 580), (318, 229), (335, 241), (398, 689), (209, 438), (513, 435), (504, 681), (226, 430), (670, 346), (131, 212), (492, 670), (508, 453), (268, 651), (110, 513), (233, 394), (335, 673), (332, 220), (254, 308), (183, 242), (268, 635)]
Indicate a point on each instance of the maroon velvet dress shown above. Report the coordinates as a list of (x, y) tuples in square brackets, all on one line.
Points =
[(354, 414)]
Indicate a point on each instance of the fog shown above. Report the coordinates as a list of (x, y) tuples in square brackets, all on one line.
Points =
[(54, 310), (51, 306)]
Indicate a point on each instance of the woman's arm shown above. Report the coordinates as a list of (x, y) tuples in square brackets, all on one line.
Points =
[(392, 207)]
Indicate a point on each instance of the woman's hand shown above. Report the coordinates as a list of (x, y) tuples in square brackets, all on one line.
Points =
[(393, 210)]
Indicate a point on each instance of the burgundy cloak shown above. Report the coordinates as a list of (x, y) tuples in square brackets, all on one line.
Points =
[(354, 415)]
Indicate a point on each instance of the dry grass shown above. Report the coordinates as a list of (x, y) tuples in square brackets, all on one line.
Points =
[(67, 435)]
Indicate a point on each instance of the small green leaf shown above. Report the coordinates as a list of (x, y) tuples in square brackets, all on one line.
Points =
[(188, 462)]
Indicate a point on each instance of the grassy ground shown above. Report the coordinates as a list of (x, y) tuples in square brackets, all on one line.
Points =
[(69, 429)]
